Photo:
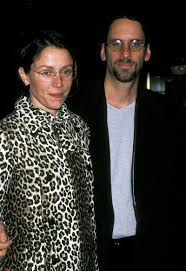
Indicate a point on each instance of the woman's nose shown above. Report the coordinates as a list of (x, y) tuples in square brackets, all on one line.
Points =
[(58, 80)]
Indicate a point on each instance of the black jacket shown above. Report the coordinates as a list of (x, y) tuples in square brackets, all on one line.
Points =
[(158, 158)]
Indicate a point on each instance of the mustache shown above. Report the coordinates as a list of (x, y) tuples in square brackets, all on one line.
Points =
[(124, 61)]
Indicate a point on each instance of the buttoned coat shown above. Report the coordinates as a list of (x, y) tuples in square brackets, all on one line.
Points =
[(46, 190)]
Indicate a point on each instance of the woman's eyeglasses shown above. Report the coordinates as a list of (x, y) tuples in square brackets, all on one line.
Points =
[(47, 75)]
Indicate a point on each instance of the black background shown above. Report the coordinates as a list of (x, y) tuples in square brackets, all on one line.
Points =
[(82, 22)]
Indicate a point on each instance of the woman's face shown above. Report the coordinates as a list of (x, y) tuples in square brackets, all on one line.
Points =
[(50, 78)]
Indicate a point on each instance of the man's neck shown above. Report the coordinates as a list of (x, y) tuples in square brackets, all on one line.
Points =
[(119, 94)]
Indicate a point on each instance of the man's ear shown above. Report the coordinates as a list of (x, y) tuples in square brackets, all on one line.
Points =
[(102, 53), (148, 53)]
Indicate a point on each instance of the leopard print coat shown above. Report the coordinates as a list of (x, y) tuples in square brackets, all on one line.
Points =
[(46, 191)]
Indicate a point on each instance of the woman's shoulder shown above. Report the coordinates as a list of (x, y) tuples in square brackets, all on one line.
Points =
[(9, 120), (77, 119)]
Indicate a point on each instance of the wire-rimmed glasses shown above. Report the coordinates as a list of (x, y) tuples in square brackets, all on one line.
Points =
[(134, 45), (48, 74)]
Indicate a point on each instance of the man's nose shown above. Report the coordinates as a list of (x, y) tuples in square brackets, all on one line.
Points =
[(125, 50)]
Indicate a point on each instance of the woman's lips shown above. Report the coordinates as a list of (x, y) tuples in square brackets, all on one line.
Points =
[(57, 95)]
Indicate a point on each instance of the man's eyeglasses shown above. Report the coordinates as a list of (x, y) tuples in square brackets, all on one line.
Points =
[(133, 45), (66, 74)]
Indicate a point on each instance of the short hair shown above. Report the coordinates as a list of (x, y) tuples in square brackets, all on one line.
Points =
[(31, 44), (134, 16)]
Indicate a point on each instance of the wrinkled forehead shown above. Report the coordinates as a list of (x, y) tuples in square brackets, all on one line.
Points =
[(126, 29)]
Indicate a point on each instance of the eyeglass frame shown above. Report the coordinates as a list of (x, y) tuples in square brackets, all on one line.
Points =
[(53, 74), (142, 45)]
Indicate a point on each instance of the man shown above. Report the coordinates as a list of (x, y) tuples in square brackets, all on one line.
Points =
[(136, 147)]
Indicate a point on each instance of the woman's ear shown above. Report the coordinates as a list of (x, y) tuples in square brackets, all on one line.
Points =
[(23, 76)]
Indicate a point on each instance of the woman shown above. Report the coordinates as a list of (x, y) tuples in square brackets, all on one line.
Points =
[(46, 184)]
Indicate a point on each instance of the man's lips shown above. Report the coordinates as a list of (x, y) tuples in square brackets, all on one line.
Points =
[(124, 64)]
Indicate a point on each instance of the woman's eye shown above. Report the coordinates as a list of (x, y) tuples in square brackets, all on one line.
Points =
[(67, 72), (46, 73)]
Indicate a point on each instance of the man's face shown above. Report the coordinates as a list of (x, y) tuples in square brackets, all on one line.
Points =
[(125, 64)]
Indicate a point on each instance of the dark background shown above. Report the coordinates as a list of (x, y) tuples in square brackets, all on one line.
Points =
[(83, 22)]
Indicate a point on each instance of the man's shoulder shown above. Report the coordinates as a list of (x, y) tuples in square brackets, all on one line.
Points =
[(89, 91), (92, 86), (156, 98), (161, 104)]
